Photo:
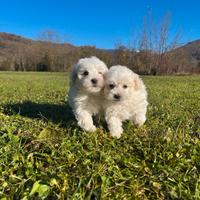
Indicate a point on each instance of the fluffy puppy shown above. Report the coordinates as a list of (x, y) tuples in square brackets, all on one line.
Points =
[(125, 99), (85, 94)]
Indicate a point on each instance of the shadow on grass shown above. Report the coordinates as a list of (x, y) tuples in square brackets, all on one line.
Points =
[(58, 114)]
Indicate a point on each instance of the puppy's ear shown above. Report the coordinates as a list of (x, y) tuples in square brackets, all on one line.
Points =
[(74, 75), (137, 82), (105, 73)]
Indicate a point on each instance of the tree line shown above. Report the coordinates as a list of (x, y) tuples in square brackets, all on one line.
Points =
[(153, 51)]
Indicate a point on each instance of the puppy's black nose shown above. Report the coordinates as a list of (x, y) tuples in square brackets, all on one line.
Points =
[(94, 81), (117, 96)]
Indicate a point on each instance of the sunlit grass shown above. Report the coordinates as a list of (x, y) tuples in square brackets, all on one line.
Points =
[(45, 155)]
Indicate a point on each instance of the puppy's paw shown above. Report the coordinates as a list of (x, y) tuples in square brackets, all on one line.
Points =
[(117, 132), (116, 135), (114, 126), (140, 120), (86, 123), (92, 129), (89, 128)]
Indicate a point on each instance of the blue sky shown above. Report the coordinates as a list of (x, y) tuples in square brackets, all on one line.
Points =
[(102, 23)]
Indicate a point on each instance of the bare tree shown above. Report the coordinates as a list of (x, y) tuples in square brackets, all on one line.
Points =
[(154, 43), (48, 51), (49, 35)]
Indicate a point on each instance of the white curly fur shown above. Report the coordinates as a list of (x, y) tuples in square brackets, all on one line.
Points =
[(85, 96), (125, 99)]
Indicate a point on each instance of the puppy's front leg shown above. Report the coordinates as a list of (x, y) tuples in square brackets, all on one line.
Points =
[(114, 126), (85, 121)]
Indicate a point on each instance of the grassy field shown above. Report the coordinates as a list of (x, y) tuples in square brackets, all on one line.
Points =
[(44, 155)]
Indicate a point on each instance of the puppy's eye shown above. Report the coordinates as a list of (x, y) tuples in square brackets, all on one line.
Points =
[(85, 73), (125, 86), (111, 86), (101, 73)]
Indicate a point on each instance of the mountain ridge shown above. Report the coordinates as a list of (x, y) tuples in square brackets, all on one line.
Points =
[(16, 50)]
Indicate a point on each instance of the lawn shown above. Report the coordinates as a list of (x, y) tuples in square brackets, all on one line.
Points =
[(45, 155)]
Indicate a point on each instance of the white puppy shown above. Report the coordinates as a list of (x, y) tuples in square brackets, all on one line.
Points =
[(125, 99), (85, 94)]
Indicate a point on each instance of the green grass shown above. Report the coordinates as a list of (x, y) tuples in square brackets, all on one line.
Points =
[(45, 155)]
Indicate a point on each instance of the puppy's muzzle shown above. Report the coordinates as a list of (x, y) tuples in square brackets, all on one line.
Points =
[(94, 81), (117, 97)]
